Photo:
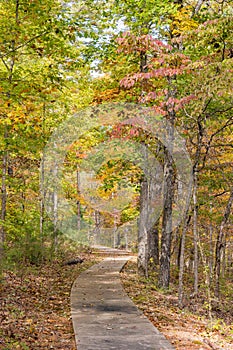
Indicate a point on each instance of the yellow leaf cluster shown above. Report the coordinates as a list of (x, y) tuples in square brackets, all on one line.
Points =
[(183, 22)]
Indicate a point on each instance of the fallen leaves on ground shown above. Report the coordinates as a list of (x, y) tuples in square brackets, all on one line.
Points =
[(35, 306), (185, 329), (35, 310)]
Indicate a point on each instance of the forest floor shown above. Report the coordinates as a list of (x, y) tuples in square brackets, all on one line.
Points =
[(187, 329), (35, 305), (35, 309)]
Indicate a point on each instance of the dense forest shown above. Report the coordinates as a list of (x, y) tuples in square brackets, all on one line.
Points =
[(98, 98)]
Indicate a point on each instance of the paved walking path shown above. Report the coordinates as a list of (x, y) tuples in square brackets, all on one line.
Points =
[(103, 316)]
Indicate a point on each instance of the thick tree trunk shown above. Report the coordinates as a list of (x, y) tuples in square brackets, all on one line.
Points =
[(220, 244), (153, 246), (151, 192), (166, 238), (155, 189)]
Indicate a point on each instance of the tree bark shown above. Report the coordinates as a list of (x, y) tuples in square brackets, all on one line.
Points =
[(55, 209), (78, 202), (195, 201), (151, 191), (195, 232), (164, 273), (42, 184), (211, 245), (220, 244), (4, 201), (142, 230), (97, 226), (42, 203), (166, 238), (182, 261), (153, 249), (142, 261)]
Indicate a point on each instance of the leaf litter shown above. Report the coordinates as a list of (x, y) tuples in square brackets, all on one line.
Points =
[(187, 329), (35, 306)]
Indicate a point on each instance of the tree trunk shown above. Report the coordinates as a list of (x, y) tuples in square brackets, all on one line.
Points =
[(126, 239), (150, 196), (211, 245), (195, 203), (42, 201), (164, 273), (153, 246), (78, 202), (165, 256), (97, 226), (142, 224), (195, 232), (55, 210), (42, 183), (166, 238), (182, 261), (220, 244), (142, 230), (4, 201)]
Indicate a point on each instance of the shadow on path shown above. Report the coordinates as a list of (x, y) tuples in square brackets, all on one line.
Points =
[(104, 317)]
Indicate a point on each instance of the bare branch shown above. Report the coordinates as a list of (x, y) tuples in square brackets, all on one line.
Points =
[(4, 62), (228, 123)]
